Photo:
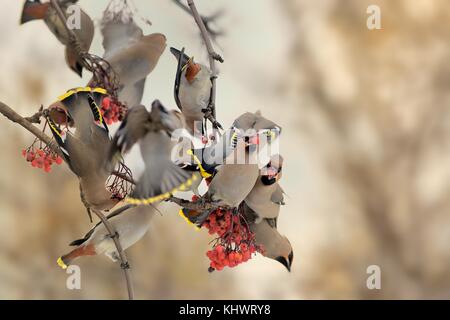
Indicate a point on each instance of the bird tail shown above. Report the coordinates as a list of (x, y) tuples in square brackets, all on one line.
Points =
[(150, 190), (33, 10), (194, 217), (67, 259)]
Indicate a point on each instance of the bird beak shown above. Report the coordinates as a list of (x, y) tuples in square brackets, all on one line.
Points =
[(33, 10), (284, 262)]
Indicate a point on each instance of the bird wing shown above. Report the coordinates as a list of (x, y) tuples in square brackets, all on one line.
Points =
[(132, 95), (91, 231), (118, 35), (136, 61), (133, 127), (161, 176)]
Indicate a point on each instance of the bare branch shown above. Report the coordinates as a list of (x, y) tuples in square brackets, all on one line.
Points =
[(36, 118), (206, 20), (115, 236), (15, 117), (200, 205), (124, 177), (210, 113)]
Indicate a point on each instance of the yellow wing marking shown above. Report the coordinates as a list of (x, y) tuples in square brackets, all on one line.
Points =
[(81, 89), (53, 127), (181, 213), (182, 187), (203, 172)]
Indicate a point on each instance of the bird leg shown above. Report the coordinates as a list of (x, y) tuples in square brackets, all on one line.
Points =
[(209, 115)]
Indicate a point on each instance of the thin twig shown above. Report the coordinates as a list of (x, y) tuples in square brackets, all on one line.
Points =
[(15, 117), (213, 56), (197, 205), (206, 20), (123, 258), (83, 55), (36, 118), (124, 177), (24, 122)]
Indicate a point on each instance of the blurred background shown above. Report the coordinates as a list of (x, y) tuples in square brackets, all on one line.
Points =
[(366, 141)]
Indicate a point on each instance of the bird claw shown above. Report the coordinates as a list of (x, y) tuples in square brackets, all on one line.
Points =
[(208, 111), (115, 235)]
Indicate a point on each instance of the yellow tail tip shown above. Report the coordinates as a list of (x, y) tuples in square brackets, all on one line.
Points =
[(181, 213), (61, 263)]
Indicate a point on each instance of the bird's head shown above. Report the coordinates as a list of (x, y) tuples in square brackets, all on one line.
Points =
[(192, 70), (186, 65), (286, 260), (33, 10), (281, 251), (273, 245)]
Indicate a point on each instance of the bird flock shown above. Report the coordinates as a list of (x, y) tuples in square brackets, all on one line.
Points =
[(240, 167)]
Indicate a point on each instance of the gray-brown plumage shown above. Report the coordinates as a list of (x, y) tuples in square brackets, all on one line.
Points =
[(192, 88), (132, 55), (85, 144), (266, 196), (236, 178), (33, 10), (152, 130), (274, 245), (131, 225)]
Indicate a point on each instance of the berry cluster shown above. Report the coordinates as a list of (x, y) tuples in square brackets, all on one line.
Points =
[(41, 158), (112, 110), (235, 243)]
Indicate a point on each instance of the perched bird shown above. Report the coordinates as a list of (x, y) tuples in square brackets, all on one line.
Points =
[(132, 56), (130, 225), (85, 143), (33, 10), (192, 89), (236, 178), (274, 245), (152, 130), (266, 196)]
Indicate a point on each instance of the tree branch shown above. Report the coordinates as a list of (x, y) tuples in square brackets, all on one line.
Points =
[(206, 19), (213, 56), (197, 205), (15, 117), (115, 236)]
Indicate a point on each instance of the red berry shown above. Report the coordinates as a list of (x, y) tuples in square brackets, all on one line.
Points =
[(106, 103)]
